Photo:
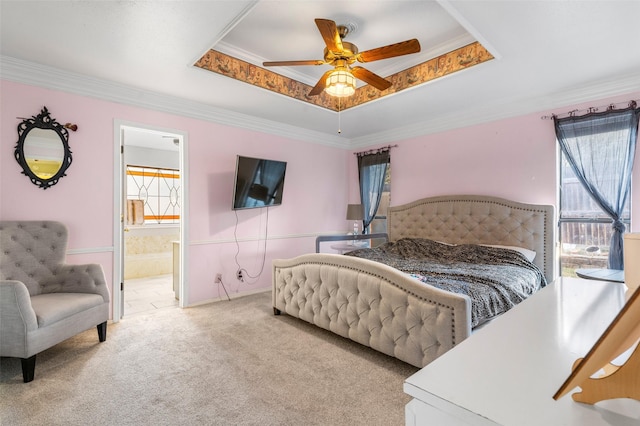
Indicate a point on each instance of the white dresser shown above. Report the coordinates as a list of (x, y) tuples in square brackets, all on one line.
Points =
[(507, 372)]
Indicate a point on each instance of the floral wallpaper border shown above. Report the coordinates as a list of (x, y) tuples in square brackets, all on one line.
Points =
[(448, 63)]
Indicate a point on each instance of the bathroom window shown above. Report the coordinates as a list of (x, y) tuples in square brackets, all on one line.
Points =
[(152, 196)]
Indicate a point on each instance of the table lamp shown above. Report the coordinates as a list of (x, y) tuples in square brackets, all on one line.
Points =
[(632, 260), (355, 212)]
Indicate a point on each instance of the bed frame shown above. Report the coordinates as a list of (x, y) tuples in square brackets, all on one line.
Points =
[(383, 308)]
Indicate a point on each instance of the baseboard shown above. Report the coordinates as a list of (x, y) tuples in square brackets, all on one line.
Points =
[(233, 296)]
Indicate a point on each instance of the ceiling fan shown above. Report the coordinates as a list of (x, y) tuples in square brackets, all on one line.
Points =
[(340, 81)]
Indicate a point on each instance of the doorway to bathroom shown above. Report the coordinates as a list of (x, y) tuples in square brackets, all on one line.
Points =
[(151, 220)]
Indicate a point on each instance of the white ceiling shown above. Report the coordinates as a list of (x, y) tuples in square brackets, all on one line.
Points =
[(549, 54), (285, 30)]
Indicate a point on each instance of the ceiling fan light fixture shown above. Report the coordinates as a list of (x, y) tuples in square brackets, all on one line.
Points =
[(340, 83)]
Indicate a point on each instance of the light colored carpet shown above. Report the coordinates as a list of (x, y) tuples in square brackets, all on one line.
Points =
[(227, 363)]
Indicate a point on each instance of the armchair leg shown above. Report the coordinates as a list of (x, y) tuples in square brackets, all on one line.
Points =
[(28, 368), (102, 331)]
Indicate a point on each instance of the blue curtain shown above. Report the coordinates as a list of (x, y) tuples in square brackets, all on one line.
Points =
[(600, 148), (372, 168)]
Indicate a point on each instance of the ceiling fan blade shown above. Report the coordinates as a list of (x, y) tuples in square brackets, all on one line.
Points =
[(329, 31), (371, 78), (291, 63), (321, 84), (398, 49)]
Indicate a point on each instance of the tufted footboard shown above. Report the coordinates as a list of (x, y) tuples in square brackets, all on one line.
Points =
[(372, 304)]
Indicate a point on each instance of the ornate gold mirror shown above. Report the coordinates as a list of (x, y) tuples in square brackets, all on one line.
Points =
[(43, 149)]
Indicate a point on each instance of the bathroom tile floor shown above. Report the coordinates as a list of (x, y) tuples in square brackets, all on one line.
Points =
[(148, 294)]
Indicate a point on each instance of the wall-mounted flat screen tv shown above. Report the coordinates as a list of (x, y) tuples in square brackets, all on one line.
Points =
[(258, 183)]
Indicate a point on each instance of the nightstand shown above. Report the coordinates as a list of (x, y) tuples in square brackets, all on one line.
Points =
[(345, 247), (349, 239)]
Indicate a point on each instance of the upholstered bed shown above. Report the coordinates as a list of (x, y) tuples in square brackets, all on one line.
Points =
[(392, 311)]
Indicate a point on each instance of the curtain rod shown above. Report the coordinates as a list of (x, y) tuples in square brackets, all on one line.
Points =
[(376, 151), (631, 104)]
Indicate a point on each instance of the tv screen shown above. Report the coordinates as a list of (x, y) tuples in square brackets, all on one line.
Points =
[(258, 183)]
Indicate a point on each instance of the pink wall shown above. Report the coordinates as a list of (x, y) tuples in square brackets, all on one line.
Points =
[(314, 202), (84, 198), (513, 158), (501, 159)]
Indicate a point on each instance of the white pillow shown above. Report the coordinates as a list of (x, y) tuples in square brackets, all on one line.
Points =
[(529, 254)]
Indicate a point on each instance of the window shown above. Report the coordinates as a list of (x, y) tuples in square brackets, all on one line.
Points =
[(585, 230), (597, 152), (373, 169), (152, 195), (379, 222)]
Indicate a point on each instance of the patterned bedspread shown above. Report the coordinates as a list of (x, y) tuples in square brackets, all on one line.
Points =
[(496, 279)]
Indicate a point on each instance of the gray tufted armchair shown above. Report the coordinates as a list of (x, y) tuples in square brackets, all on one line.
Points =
[(42, 300)]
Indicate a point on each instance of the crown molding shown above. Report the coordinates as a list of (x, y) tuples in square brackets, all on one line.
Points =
[(30, 73), (500, 110), (33, 74)]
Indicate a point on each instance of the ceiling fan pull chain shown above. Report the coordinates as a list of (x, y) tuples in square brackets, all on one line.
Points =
[(339, 129)]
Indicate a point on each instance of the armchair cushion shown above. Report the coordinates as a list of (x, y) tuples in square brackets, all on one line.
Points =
[(54, 307)]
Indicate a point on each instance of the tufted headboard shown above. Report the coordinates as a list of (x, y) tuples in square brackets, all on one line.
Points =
[(477, 219)]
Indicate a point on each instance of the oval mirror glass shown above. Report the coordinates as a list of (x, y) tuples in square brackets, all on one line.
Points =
[(43, 152)]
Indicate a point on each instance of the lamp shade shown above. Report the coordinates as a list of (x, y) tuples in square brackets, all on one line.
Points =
[(632, 260), (340, 83), (355, 212)]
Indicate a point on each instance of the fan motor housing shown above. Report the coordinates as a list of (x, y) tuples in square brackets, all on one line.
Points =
[(349, 52)]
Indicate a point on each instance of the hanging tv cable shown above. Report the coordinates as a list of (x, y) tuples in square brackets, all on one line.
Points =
[(241, 272)]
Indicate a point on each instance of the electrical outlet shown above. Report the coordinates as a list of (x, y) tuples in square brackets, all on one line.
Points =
[(239, 275), (218, 278)]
